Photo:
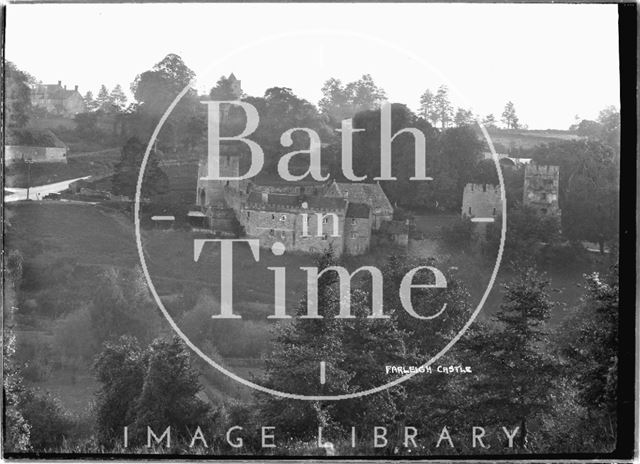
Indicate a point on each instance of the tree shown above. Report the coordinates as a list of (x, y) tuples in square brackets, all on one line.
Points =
[(127, 170), (527, 230), (122, 306), (589, 186), (280, 110), (293, 366), (120, 369), (369, 344), (49, 422), (351, 350), (504, 390), (104, 99), (17, 431), (168, 395), (117, 98), (17, 97), (335, 102), (592, 346), (365, 94), (427, 107), (443, 111), (89, 102), (459, 150), (489, 121), (153, 386), (154, 90), (463, 117), (344, 101), (509, 117), (423, 339), (609, 118), (223, 90)]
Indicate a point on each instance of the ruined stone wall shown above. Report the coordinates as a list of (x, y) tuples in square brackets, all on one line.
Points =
[(481, 201), (541, 189)]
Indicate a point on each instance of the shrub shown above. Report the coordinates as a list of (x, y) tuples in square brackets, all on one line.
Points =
[(460, 234), (50, 425)]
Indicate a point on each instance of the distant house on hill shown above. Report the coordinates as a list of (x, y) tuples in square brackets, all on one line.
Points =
[(33, 145), (56, 99), (371, 195)]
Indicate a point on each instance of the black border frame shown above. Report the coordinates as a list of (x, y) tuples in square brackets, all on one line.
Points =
[(627, 420)]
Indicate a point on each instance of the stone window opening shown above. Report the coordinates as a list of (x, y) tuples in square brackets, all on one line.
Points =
[(494, 211), (271, 232), (283, 218), (354, 235), (353, 221), (469, 210)]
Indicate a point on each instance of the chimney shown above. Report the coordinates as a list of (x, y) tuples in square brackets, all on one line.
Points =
[(76, 88), (65, 86), (59, 83)]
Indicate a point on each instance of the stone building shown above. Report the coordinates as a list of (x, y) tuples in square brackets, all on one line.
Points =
[(541, 187), (357, 229), (481, 201), (279, 211), (56, 99), (280, 218), (371, 195), (35, 146), (236, 85)]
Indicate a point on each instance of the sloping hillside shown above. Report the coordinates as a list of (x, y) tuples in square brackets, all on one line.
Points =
[(509, 140)]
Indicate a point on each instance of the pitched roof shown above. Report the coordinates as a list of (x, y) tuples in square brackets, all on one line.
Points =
[(54, 91), (326, 203), (370, 194), (358, 210), (279, 201)]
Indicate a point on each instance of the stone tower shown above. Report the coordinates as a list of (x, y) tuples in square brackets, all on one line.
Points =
[(541, 187), (211, 192), (236, 86)]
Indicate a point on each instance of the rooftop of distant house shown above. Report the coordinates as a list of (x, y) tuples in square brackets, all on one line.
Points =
[(358, 210), (364, 193), (55, 90)]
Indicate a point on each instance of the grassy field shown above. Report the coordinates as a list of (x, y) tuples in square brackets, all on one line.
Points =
[(525, 139), (75, 242)]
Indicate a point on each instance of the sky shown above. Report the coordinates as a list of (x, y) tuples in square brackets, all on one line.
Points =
[(554, 62)]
